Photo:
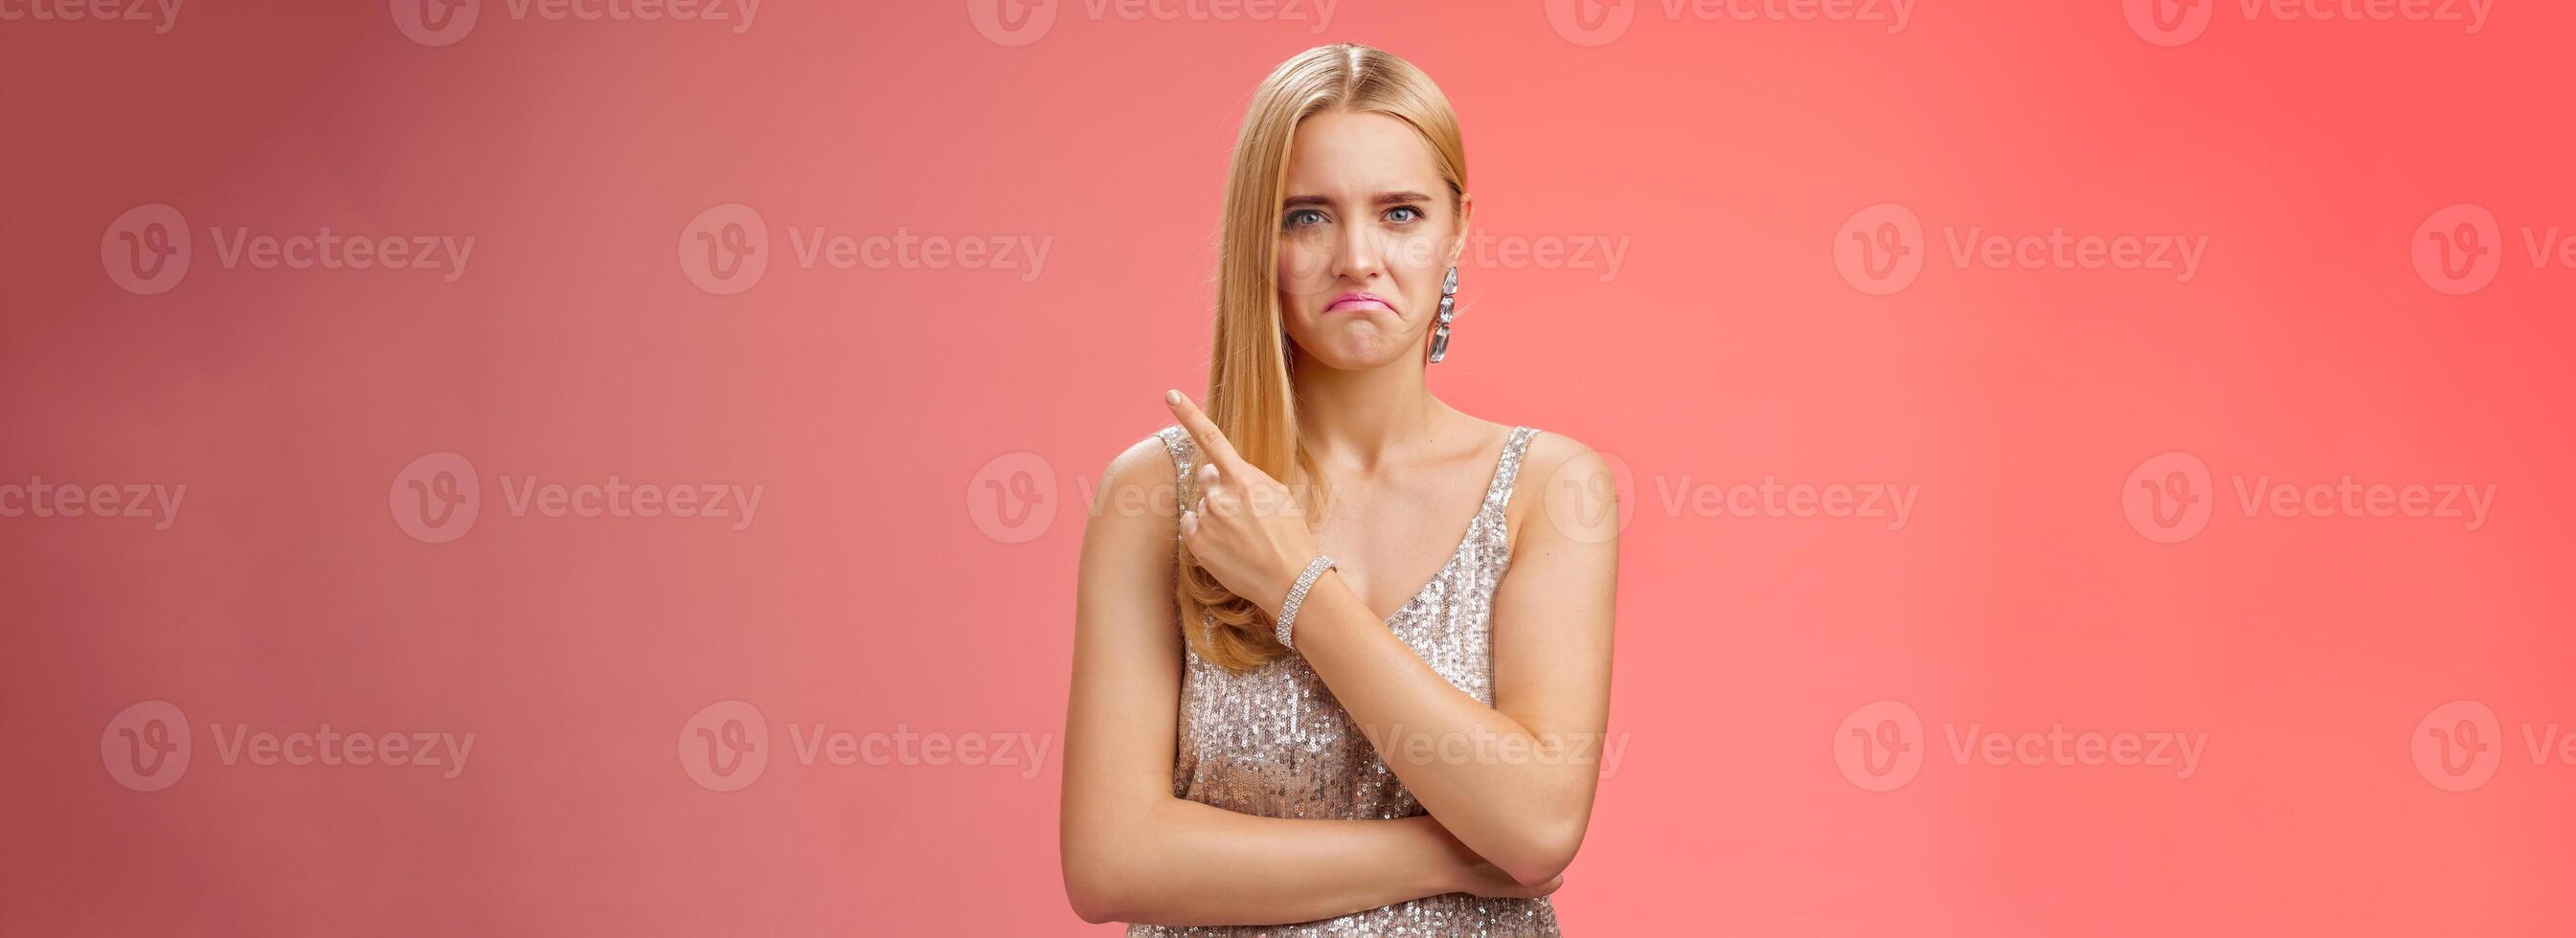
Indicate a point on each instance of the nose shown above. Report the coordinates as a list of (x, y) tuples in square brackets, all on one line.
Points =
[(1357, 253)]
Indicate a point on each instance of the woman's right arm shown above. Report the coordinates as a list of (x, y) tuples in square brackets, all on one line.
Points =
[(1134, 853)]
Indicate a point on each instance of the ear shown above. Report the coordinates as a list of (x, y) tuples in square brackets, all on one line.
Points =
[(1466, 215)]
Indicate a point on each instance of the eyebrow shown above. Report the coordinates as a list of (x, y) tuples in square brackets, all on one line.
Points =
[(1383, 198)]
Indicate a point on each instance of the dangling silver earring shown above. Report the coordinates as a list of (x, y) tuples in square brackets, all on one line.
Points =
[(1448, 308)]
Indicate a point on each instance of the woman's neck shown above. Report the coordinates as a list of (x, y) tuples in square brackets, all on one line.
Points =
[(1359, 420)]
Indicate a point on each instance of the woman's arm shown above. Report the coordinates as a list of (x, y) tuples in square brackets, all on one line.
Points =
[(1131, 851), (1513, 781), (1516, 779)]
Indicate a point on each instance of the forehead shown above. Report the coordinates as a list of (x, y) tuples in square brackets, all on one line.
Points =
[(1359, 152)]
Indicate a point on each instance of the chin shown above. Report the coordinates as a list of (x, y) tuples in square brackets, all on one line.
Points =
[(1354, 343), (1353, 356)]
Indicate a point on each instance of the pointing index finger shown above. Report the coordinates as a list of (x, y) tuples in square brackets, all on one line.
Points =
[(1211, 440)]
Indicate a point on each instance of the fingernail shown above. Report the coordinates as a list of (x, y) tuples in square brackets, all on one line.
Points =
[(1172, 396)]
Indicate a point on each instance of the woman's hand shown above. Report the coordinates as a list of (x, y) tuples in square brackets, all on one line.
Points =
[(1245, 529)]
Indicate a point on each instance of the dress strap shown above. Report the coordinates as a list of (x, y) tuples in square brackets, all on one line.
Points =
[(1498, 495), (1185, 456)]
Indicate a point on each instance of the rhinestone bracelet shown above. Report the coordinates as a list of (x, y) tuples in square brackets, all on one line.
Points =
[(1297, 595)]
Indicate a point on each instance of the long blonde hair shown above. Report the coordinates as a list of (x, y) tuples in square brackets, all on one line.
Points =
[(1249, 394)]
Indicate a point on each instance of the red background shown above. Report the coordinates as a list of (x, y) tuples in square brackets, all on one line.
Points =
[(882, 588)]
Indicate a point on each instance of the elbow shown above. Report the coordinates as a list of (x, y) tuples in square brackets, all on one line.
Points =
[(1096, 910), (1541, 855), (1096, 898), (1098, 890)]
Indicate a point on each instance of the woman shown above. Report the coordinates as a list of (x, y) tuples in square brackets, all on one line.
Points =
[(1368, 728)]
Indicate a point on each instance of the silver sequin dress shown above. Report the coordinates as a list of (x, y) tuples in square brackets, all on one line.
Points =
[(1274, 743)]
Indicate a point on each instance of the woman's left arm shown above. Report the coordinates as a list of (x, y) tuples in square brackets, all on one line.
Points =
[(1514, 781)]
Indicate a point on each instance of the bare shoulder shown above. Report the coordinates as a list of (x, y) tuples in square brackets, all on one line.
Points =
[(1564, 481), (1139, 485), (1550, 451)]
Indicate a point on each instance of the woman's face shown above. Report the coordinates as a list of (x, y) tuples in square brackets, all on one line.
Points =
[(1366, 234)]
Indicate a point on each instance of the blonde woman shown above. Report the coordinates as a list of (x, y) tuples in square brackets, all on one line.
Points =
[(1372, 723)]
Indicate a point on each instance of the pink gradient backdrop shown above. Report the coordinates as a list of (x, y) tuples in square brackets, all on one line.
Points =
[(878, 590)]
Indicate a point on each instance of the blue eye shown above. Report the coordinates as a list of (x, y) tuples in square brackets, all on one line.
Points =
[(1292, 220), (1417, 213)]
